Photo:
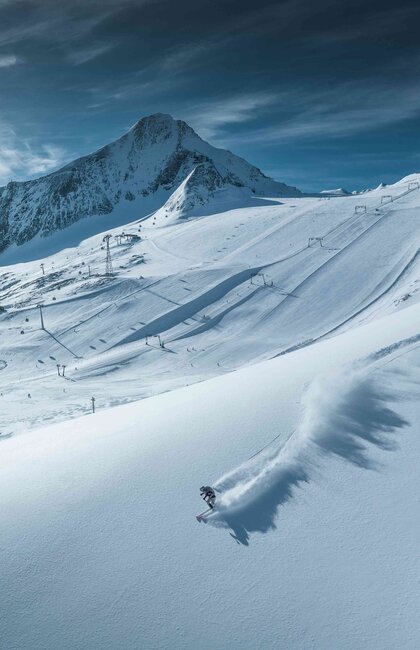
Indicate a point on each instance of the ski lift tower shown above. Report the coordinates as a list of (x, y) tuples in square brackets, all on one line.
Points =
[(108, 260)]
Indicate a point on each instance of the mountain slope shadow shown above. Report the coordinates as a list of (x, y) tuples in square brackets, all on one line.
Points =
[(343, 416)]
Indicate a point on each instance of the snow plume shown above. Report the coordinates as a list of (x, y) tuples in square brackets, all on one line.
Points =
[(342, 414)]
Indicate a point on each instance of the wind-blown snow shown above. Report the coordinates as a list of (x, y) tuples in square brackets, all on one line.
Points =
[(341, 414)]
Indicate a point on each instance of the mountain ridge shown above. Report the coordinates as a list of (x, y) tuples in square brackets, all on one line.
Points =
[(142, 168)]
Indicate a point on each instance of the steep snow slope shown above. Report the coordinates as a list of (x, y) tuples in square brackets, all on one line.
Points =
[(100, 548), (204, 192), (220, 291), (131, 176)]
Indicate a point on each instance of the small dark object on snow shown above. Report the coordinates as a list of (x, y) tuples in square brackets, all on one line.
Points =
[(208, 495)]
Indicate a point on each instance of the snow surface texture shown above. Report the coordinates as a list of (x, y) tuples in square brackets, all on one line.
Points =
[(311, 443)]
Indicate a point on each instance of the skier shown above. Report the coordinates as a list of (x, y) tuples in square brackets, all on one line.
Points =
[(208, 495)]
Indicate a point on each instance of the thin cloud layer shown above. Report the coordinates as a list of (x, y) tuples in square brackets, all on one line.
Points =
[(211, 119), (20, 159), (7, 60)]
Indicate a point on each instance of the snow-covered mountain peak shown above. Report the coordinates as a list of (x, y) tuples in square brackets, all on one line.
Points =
[(161, 126), (155, 129), (126, 179)]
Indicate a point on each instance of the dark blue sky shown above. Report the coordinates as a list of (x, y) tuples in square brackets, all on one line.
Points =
[(317, 94)]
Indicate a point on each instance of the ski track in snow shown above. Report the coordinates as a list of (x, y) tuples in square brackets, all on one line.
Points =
[(343, 415), (196, 293)]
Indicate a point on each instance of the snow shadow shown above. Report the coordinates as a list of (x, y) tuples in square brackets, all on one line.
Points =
[(343, 416), (362, 416)]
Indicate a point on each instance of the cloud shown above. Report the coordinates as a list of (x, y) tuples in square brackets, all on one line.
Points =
[(210, 118), (52, 22), (57, 22), (341, 111), (79, 57), (21, 159), (7, 60), (378, 23), (179, 58)]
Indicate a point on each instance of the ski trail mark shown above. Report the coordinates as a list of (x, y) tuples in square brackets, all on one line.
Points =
[(344, 416)]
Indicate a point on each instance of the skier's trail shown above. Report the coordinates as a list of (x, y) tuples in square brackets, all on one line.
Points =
[(342, 414)]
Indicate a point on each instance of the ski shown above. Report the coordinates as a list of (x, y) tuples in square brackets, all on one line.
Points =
[(201, 516)]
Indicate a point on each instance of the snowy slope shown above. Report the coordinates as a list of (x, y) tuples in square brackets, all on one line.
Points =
[(339, 191), (221, 291), (100, 548), (130, 177), (288, 379)]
